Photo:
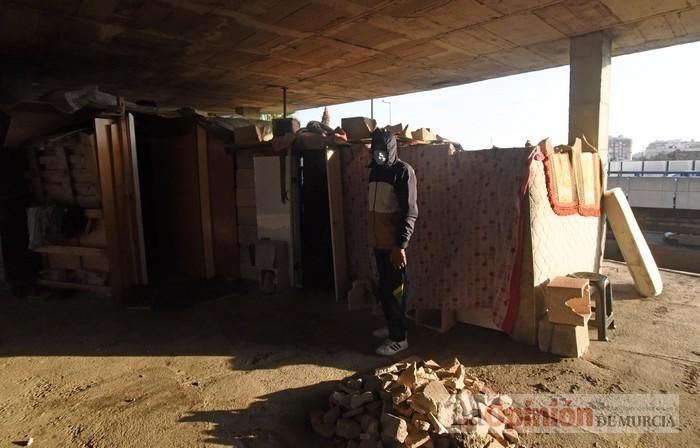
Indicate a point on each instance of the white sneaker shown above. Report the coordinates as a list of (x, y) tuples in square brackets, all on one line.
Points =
[(390, 348), (381, 333)]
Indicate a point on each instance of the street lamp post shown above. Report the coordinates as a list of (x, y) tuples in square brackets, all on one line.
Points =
[(389, 103)]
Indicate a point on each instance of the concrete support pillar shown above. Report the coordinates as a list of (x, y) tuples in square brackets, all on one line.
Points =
[(589, 98), (589, 89)]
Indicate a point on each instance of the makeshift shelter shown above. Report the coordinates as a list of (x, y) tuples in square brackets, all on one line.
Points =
[(490, 232)]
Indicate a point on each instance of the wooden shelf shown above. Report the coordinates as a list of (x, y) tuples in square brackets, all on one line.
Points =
[(106, 290), (70, 250)]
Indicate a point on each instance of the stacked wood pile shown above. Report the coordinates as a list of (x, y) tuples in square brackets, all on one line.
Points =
[(413, 404), (64, 171)]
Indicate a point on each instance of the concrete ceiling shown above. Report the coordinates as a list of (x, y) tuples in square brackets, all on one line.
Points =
[(219, 54)]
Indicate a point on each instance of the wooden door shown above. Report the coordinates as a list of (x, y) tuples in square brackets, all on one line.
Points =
[(117, 166)]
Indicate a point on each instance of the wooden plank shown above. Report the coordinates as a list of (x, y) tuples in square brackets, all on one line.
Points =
[(222, 188), (99, 264), (109, 206), (69, 250), (205, 201), (35, 170), (137, 218), (337, 220), (63, 261), (77, 286), (66, 181)]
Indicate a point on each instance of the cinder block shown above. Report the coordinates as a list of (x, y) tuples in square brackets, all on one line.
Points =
[(569, 341)]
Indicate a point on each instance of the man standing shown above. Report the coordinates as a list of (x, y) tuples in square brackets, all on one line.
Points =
[(393, 211)]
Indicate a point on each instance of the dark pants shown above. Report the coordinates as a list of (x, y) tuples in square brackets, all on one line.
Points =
[(391, 293)]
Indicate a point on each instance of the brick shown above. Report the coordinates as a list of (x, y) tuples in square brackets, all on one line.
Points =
[(359, 400), (416, 438), (322, 429), (400, 393), (347, 429), (394, 428), (511, 435)]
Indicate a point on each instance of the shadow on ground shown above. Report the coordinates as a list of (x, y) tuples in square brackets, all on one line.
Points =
[(257, 331)]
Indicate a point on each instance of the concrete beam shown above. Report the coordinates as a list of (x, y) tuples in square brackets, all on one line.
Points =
[(589, 88)]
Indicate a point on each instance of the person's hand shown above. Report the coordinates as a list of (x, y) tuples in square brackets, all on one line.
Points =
[(398, 258)]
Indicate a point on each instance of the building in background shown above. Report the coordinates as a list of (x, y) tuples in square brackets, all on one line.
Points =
[(619, 148), (659, 147)]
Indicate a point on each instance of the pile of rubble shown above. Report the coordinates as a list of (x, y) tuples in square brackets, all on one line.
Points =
[(414, 404)]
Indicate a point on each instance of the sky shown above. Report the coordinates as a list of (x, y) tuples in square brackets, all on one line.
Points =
[(655, 95)]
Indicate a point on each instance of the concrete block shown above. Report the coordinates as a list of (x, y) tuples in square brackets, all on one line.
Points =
[(569, 341)]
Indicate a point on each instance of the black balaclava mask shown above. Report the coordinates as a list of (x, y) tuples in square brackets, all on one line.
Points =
[(383, 148)]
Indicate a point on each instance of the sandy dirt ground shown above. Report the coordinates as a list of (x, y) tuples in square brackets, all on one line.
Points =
[(244, 370)]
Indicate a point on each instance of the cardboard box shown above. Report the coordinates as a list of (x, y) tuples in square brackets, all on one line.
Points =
[(248, 135), (424, 134), (284, 126), (358, 128), (399, 130)]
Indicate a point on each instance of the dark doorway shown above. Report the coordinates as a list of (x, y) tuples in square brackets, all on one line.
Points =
[(316, 250)]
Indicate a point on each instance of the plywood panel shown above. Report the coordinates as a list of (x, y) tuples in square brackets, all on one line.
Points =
[(222, 182)]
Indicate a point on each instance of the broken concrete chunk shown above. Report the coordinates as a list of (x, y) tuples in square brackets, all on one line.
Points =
[(359, 400), (348, 429), (365, 421), (331, 416), (408, 377), (340, 399), (370, 444), (437, 426), (354, 412), (373, 383), (436, 393), (404, 409), (431, 364), (394, 428), (400, 393), (511, 435), (416, 438), (319, 427), (420, 422), (373, 408), (503, 401), (373, 430), (479, 426)]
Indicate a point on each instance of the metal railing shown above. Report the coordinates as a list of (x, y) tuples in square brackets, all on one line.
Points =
[(654, 168)]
